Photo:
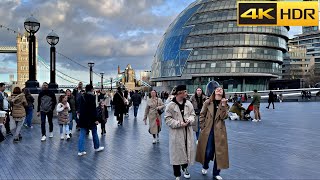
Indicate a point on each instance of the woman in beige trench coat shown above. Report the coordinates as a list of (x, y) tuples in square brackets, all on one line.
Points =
[(213, 144), (153, 105), (180, 116)]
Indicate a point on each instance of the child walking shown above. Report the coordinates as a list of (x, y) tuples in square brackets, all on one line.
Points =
[(102, 113), (63, 109)]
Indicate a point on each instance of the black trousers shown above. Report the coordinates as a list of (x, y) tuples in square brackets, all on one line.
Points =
[(270, 103), (120, 118), (7, 124), (177, 169)]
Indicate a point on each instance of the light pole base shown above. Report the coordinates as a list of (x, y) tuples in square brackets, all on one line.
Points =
[(33, 86), (54, 87)]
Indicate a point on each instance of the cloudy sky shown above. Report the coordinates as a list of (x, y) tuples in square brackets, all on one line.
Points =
[(107, 32)]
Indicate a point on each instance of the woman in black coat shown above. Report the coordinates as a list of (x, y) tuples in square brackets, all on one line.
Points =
[(88, 120), (120, 107)]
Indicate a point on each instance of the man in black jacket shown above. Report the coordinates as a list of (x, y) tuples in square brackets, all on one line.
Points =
[(136, 101), (46, 104), (88, 120)]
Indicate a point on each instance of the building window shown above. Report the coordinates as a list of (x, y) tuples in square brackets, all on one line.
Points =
[(213, 65)]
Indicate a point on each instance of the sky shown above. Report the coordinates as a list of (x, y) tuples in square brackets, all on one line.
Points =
[(106, 32)]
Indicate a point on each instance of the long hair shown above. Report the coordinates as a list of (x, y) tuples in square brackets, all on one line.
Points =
[(26, 91), (213, 95), (155, 92), (16, 90), (202, 93)]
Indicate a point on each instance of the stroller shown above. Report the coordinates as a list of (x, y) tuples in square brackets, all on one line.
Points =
[(246, 115)]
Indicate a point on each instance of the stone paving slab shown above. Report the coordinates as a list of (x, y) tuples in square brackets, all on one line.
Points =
[(285, 145)]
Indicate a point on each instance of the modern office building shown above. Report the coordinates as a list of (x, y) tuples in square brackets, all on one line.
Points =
[(204, 43), (297, 64)]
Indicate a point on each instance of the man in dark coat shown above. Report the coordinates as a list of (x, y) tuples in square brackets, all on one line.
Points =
[(88, 120), (118, 102), (46, 104), (271, 99), (136, 101), (77, 92)]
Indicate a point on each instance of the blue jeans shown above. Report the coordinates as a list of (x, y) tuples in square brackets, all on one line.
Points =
[(70, 122), (29, 116), (210, 153), (66, 127), (83, 132), (135, 109)]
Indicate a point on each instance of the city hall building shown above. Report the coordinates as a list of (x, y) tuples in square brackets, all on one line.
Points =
[(204, 43)]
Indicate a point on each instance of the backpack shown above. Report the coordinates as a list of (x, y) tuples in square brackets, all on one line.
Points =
[(46, 104)]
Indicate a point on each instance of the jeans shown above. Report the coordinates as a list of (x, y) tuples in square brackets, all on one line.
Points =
[(64, 126), (210, 152), (135, 109), (70, 122), (177, 169), (43, 122), (29, 116), (19, 124), (83, 132)]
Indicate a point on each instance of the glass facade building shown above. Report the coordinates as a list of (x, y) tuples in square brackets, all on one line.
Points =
[(204, 43)]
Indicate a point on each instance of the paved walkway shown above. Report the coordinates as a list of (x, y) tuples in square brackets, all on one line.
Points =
[(285, 145)]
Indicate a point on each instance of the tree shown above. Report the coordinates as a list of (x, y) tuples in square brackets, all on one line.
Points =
[(312, 77)]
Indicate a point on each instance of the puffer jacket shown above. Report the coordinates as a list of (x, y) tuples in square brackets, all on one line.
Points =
[(18, 102)]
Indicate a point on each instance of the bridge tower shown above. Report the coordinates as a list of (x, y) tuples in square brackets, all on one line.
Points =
[(23, 58)]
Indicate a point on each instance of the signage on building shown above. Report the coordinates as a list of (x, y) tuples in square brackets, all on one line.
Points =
[(271, 13)]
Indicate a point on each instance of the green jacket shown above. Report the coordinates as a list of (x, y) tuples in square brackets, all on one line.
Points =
[(256, 99)]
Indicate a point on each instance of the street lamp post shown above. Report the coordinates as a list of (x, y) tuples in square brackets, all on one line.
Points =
[(91, 64), (53, 40), (101, 80), (111, 82), (32, 26)]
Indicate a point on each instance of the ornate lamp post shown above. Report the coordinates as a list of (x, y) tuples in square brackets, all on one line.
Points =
[(101, 80), (32, 26), (91, 64), (53, 40)]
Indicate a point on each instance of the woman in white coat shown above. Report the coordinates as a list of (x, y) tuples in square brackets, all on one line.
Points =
[(180, 116)]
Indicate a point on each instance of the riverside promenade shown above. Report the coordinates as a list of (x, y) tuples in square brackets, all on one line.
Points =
[(285, 145)]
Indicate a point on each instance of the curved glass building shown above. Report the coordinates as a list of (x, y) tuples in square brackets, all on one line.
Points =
[(204, 43)]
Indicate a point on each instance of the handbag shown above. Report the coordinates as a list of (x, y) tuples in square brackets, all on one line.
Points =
[(160, 111)]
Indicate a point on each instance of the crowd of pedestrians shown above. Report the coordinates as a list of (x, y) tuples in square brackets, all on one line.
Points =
[(197, 130)]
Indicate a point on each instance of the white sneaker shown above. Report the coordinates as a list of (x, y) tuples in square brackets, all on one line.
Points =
[(51, 135), (254, 120), (99, 149), (259, 120), (186, 174), (62, 137), (43, 138), (197, 142), (204, 171), (82, 153), (154, 141), (177, 178), (218, 177), (68, 137), (158, 140)]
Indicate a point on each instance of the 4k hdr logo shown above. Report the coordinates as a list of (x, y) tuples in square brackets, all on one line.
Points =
[(271, 13)]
